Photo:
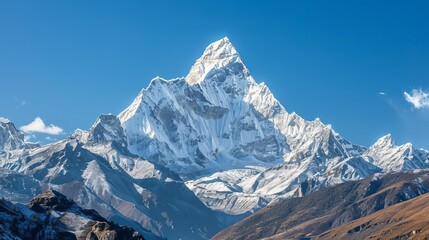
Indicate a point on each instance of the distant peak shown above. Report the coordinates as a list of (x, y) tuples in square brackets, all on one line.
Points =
[(107, 117), (225, 39), (218, 54), (385, 141), (51, 199), (106, 128), (4, 120)]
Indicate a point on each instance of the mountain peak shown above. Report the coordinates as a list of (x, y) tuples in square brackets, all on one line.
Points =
[(106, 128), (220, 49), (52, 199), (385, 141), (4, 120), (10, 137), (218, 54)]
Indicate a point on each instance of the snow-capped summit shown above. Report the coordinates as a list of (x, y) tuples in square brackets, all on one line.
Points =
[(386, 141), (219, 118), (220, 123), (390, 157), (217, 55), (221, 130), (4, 120), (107, 128), (11, 138)]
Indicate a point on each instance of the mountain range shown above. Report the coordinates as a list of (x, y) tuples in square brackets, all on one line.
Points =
[(212, 148)]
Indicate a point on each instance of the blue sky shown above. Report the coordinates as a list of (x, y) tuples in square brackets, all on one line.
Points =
[(346, 62)]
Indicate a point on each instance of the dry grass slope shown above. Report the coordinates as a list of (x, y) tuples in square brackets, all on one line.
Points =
[(328, 208), (407, 220)]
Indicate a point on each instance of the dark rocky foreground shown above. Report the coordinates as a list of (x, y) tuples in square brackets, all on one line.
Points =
[(52, 216)]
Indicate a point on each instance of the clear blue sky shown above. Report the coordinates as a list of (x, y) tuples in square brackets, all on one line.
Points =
[(69, 61)]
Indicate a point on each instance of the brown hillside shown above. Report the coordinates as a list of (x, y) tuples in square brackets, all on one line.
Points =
[(407, 220), (328, 208)]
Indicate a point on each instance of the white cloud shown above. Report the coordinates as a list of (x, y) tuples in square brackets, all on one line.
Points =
[(28, 137), (39, 126), (49, 138), (418, 98), (382, 93)]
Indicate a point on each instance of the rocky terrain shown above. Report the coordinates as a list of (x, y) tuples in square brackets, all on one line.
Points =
[(52, 216), (407, 220)]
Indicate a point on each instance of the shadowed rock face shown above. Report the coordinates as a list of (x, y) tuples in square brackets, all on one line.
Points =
[(51, 200), (52, 216)]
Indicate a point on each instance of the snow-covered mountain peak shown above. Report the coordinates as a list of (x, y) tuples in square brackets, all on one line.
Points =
[(217, 55), (107, 128), (220, 49), (11, 138), (4, 120), (391, 157), (219, 117), (385, 142)]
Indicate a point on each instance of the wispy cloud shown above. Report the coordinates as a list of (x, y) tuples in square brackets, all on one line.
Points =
[(39, 126), (20, 103), (418, 98), (382, 93), (28, 137), (49, 138)]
